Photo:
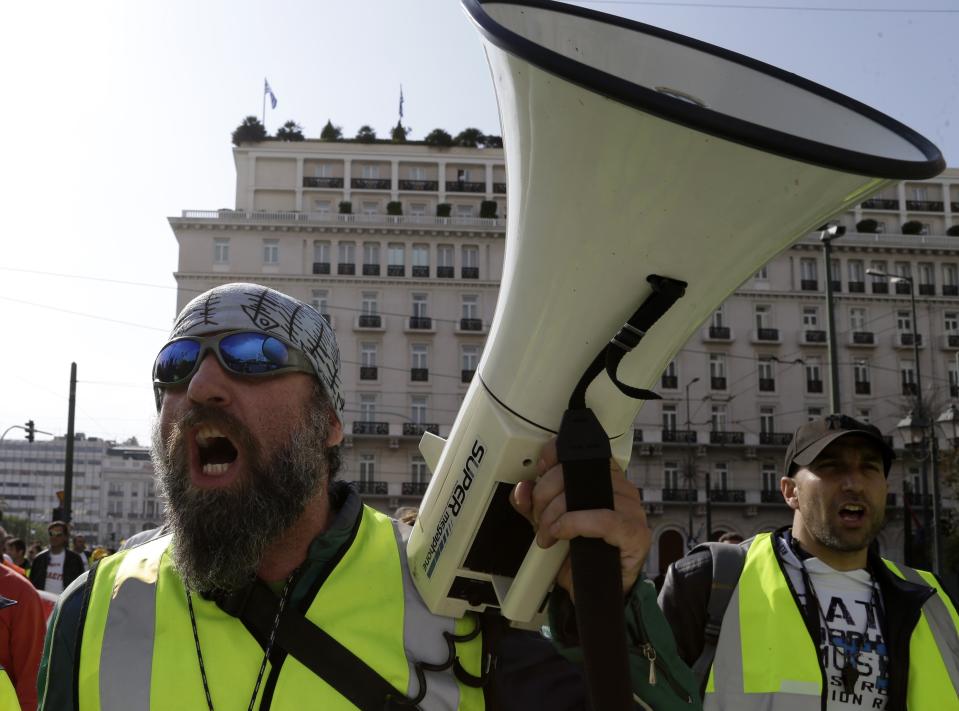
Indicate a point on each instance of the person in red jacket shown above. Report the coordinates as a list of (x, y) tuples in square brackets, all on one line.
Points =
[(22, 631)]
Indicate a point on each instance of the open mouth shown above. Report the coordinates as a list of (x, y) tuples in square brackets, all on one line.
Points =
[(852, 513), (216, 451)]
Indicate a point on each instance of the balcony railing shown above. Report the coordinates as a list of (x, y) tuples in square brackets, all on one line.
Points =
[(836, 285), (322, 182), (445, 272), (499, 188), (371, 428), (771, 496), (909, 389), (924, 205), (863, 387), (863, 338), (767, 385), (717, 383), (369, 372), (906, 339), (424, 323), (395, 270), (466, 376), (927, 289), (669, 382), (778, 439), (471, 324), (370, 183), (725, 437), (260, 216), (728, 496), (372, 488), (416, 429), (856, 287), (420, 271), (809, 284), (952, 340), (419, 375), (637, 436), (370, 321), (679, 495), (414, 488), (880, 204), (321, 267), (815, 336), (685, 436), (720, 332), (813, 386), (767, 334), (880, 287), (371, 270), (470, 272), (346, 269), (427, 185), (950, 289), (465, 186), (902, 287)]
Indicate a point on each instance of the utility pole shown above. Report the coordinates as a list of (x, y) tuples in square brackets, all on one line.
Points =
[(68, 467)]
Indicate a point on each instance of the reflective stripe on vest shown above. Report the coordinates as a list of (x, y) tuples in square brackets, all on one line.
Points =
[(934, 645), (138, 649), (765, 658)]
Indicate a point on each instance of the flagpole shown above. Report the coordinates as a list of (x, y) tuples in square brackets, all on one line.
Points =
[(264, 104)]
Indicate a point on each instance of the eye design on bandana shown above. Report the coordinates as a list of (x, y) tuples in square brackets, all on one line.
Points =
[(249, 353)]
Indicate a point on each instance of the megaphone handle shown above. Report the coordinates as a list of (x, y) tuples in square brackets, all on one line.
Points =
[(584, 451)]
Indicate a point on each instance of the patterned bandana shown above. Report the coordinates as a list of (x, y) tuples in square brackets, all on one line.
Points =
[(253, 307)]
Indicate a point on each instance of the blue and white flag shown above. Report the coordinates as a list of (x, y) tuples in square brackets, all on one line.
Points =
[(268, 90), (401, 101)]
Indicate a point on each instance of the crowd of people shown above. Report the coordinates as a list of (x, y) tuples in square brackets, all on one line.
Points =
[(272, 584)]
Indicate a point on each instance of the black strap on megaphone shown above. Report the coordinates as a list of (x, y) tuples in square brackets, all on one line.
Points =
[(584, 451)]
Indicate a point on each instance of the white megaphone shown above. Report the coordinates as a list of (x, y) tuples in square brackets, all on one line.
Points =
[(631, 151)]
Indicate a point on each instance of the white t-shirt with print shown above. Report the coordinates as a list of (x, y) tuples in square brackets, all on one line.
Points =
[(54, 581), (848, 601)]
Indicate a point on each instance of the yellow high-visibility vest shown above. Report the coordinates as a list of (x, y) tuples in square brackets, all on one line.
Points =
[(765, 658), (138, 650)]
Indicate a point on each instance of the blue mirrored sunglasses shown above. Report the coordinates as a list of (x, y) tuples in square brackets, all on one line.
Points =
[(240, 352)]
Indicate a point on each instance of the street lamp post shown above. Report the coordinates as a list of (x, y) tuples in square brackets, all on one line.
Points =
[(690, 468), (920, 431), (828, 234)]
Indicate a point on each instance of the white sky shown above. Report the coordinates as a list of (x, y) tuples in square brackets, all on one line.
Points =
[(118, 115)]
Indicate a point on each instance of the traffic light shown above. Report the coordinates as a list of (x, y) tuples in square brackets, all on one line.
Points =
[(31, 430)]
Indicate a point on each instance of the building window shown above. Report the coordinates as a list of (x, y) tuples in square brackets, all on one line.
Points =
[(879, 284), (813, 375), (950, 280), (368, 368), (857, 319), (469, 358), (421, 260), (671, 475), (717, 418), (857, 275), (950, 323), (322, 207), (318, 300), (347, 255), (464, 210), (367, 468), (813, 413), (371, 255), (767, 420), (720, 476), (421, 305), (370, 304), (271, 251), (416, 172), (470, 255), (903, 322), (418, 209), (927, 279), (418, 409), (761, 313), (321, 252), (323, 170), (863, 415), (670, 377), (419, 360), (396, 258), (808, 274), (370, 172), (669, 417), (367, 407), (770, 474), (810, 316), (835, 273), (719, 317), (717, 371), (907, 373), (767, 375), (763, 273), (470, 306), (419, 472), (444, 255), (953, 378), (221, 251)]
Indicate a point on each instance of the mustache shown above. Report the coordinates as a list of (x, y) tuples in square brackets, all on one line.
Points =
[(230, 425)]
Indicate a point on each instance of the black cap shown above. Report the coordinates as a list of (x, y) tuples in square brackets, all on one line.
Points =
[(813, 437)]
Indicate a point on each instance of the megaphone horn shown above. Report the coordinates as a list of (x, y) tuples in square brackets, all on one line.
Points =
[(631, 151)]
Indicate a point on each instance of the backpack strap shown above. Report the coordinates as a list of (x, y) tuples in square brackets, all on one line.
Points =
[(728, 562)]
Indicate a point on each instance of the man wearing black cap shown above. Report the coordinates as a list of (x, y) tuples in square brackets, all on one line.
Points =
[(810, 616)]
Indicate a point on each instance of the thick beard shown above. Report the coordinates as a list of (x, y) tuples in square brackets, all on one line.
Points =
[(221, 536)]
